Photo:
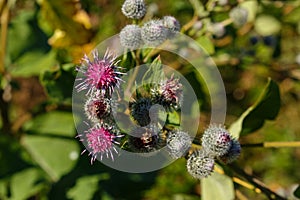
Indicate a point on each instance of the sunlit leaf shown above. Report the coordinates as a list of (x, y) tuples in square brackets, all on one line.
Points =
[(53, 123), (24, 184), (33, 63), (70, 23), (267, 25), (265, 108), (86, 187), (56, 156), (207, 44), (217, 186)]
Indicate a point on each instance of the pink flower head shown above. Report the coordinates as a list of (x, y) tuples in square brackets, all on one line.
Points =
[(169, 93), (100, 74), (100, 141)]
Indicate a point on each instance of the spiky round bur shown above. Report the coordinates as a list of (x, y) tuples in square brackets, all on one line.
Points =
[(130, 37), (168, 94), (217, 29), (178, 143), (172, 24), (239, 16), (100, 75), (200, 164), (216, 140), (146, 139), (154, 33), (100, 140), (139, 110), (134, 9), (97, 108), (233, 153)]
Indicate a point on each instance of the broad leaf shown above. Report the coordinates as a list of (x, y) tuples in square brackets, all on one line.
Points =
[(53, 123), (265, 108), (56, 156), (206, 44), (86, 187), (26, 183), (70, 23), (217, 186), (58, 84)]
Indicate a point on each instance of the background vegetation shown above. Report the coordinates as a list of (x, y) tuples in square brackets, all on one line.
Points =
[(43, 40)]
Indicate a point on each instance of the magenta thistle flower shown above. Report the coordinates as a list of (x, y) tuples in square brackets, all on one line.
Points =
[(100, 141), (168, 93), (99, 74)]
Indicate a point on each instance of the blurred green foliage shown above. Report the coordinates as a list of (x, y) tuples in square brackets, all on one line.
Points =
[(41, 43)]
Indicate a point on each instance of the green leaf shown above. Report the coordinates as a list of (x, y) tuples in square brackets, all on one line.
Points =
[(297, 192), (267, 25), (24, 184), (33, 63), (155, 72), (293, 16), (265, 108), (86, 187), (217, 186), (70, 23), (53, 123), (58, 84), (56, 156), (206, 44)]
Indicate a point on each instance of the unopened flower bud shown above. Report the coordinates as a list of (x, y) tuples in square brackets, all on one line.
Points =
[(178, 143), (134, 9), (199, 164), (239, 16), (154, 33), (130, 37), (216, 140)]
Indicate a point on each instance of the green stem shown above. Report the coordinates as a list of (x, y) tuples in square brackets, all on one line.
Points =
[(258, 184), (4, 24)]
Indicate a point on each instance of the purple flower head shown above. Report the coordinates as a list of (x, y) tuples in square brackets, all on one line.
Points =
[(169, 93), (233, 153), (100, 140), (99, 74)]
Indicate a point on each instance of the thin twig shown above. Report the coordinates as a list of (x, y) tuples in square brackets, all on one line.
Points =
[(258, 184), (273, 144)]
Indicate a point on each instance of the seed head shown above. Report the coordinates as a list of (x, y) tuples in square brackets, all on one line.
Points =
[(154, 33), (216, 140), (130, 37), (178, 143), (233, 153), (199, 164), (139, 110), (134, 9), (97, 108), (168, 94), (145, 139), (100, 140), (239, 16), (172, 24), (100, 75), (217, 29)]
